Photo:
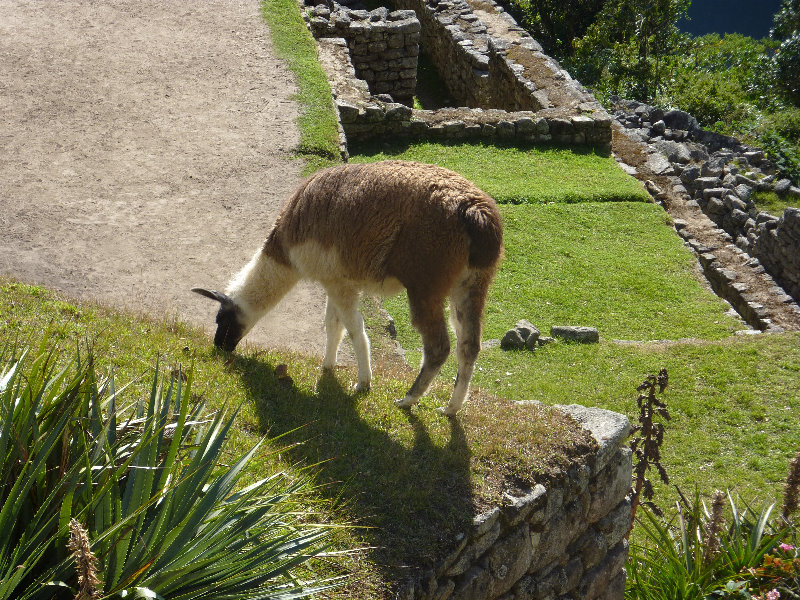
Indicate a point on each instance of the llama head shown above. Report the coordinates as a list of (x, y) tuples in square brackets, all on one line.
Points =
[(230, 328)]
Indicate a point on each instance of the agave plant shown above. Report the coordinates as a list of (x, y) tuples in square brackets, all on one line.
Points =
[(155, 512), (679, 560)]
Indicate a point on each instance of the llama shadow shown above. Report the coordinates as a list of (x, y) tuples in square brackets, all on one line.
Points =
[(411, 494)]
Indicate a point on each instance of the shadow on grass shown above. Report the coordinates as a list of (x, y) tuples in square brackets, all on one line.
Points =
[(410, 486)]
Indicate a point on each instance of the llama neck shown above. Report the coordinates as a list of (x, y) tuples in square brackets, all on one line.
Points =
[(260, 285)]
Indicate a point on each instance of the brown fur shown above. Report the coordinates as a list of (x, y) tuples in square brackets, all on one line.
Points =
[(418, 223)]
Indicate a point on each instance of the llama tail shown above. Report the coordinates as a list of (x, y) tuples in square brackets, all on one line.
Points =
[(484, 228)]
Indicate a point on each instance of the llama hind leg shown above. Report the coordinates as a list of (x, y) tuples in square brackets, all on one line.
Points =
[(334, 330), (345, 303), (429, 321), (466, 308)]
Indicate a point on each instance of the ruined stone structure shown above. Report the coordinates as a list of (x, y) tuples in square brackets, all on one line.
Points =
[(721, 175), (383, 46), (507, 89)]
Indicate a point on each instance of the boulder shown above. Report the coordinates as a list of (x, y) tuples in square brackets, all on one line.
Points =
[(523, 335), (782, 186), (583, 335)]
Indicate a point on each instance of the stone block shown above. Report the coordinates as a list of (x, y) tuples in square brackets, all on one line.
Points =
[(591, 547), (595, 582), (509, 559), (473, 551), (583, 335), (612, 485), (520, 508), (348, 113), (608, 428), (560, 127), (395, 40), (616, 524), (474, 585)]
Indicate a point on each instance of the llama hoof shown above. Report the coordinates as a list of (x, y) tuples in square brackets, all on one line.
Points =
[(447, 411), (406, 402), (361, 386)]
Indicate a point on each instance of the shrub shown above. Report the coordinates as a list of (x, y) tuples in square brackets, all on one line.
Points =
[(784, 155), (786, 67), (786, 123), (137, 492), (695, 556), (714, 99)]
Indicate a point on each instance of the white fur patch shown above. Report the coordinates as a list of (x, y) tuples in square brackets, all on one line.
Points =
[(313, 261)]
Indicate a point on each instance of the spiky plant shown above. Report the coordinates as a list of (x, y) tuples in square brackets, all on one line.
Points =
[(163, 518)]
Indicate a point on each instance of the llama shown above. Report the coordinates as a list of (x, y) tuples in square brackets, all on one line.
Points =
[(378, 228)]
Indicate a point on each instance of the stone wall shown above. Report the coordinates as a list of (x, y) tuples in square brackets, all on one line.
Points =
[(562, 541), (364, 116), (383, 45), (509, 89), (777, 246), (721, 174)]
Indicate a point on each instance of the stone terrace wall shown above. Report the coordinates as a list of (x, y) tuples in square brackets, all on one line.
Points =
[(384, 46), (777, 246), (476, 74), (721, 174), (564, 541), (513, 92), (365, 117)]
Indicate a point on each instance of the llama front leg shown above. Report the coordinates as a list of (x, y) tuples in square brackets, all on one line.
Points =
[(334, 329), (345, 303)]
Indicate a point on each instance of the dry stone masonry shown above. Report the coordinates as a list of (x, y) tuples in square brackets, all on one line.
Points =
[(383, 46), (508, 89), (720, 175), (562, 541)]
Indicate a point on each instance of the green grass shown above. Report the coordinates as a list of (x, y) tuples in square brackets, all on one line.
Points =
[(536, 175), (618, 267), (410, 482), (773, 203), (319, 138)]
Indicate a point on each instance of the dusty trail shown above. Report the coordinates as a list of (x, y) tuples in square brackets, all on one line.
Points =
[(143, 151)]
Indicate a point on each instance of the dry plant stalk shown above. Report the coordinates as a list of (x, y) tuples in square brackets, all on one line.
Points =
[(85, 561), (791, 491), (712, 529), (648, 436)]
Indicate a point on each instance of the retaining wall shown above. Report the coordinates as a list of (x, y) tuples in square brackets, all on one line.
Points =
[(563, 541), (383, 45), (510, 90), (721, 174), (364, 116)]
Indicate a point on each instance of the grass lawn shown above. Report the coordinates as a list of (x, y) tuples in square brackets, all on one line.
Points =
[(319, 137), (514, 175), (619, 266), (773, 203)]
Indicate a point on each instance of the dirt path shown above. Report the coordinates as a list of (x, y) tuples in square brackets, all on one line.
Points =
[(143, 151)]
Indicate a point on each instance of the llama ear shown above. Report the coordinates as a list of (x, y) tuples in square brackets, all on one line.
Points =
[(213, 295)]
